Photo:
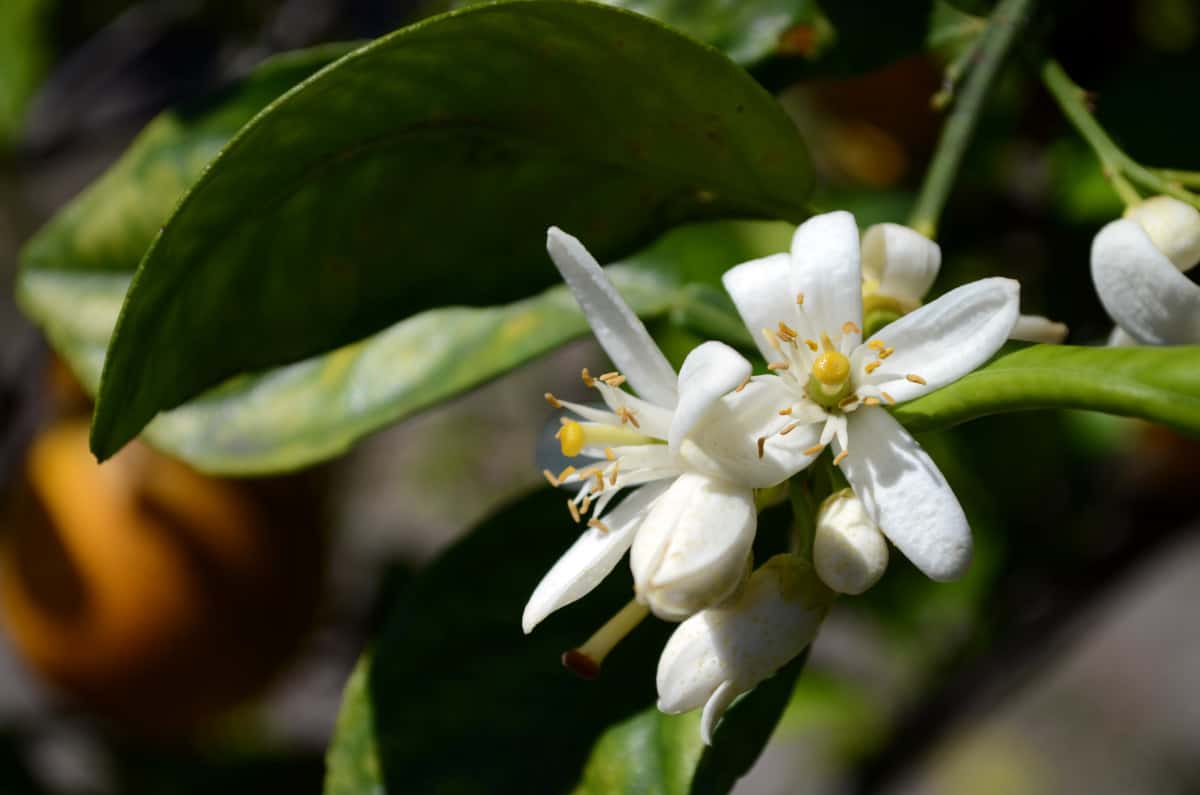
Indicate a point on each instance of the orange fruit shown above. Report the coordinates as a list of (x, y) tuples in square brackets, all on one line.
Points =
[(151, 594)]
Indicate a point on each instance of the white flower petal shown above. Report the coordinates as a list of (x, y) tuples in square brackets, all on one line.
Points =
[(619, 331), (708, 373), (901, 260), (651, 420), (1035, 328), (741, 643), (591, 557), (761, 291), (725, 445), (692, 549), (943, 340), (826, 269), (906, 495), (714, 708), (1173, 226), (1141, 289)]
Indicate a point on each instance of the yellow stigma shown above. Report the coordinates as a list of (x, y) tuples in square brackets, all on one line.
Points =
[(831, 368), (571, 437)]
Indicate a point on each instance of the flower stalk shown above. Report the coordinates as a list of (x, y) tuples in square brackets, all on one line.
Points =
[(1005, 22), (1121, 170)]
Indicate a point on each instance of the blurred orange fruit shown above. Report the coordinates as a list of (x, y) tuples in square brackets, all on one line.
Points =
[(153, 595)]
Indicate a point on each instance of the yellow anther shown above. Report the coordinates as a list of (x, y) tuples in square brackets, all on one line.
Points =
[(791, 426), (553, 401), (815, 449), (743, 385), (886, 352), (891, 400), (572, 438), (799, 299), (785, 412), (609, 454), (848, 400), (872, 366), (827, 343), (566, 473), (762, 443), (574, 511), (778, 366), (916, 379), (787, 331), (550, 477), (612, 477), (599, 525), (831, 368), (871, 401), (588, 381), (876, 345), (608, 375), (851, 327), (840, 457), (812, 345), (626, 414)]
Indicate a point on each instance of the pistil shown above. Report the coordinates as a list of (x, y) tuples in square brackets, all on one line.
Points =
[(585, 660)]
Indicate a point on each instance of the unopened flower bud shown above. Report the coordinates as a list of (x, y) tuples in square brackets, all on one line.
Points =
[(723, 652), (1173, 226), (691, 550), (849, 551), (899, 263)]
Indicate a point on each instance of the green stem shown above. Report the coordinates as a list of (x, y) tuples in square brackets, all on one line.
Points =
[(1189, 178), (1121, 170), (1006, 20)]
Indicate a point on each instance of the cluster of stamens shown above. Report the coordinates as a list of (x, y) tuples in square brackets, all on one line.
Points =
[(830, 382), (598, 481)]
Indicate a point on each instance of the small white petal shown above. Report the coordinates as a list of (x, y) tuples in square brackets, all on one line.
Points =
[(906, 495), (761, 291), (826, 269), (901, 260), (1141, 289), (708, 373), (714, 708), (741, 643), (1173, 226), (691, 551), (943, 340), (849, 552), (618, 330), (1035, 328), (591, 557), (1119, 338), (725, 444)]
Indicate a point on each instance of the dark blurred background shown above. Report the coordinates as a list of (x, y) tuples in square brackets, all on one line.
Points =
[(1068, 661)]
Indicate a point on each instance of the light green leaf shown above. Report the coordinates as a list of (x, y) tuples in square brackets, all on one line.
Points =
[(1157, 384), (656, 754), (422, 170), (453, 698)]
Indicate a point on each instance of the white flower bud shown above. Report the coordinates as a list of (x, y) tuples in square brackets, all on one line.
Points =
[(901, 262), (722, 652), (691, 550), (849, 551), (1173, 226), (1035, 328)]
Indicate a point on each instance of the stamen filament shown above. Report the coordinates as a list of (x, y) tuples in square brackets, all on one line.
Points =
[(585, 661)]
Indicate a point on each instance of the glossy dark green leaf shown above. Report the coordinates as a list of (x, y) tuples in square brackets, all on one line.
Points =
[(24, 54), (1158, 384), (746, 31), (658, 754), (423, 170), (453, 698), (308, 411)]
